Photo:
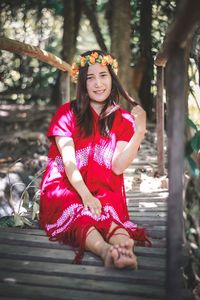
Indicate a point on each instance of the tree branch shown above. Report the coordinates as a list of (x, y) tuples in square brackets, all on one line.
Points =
[(95, 26), (33, 51), (180, 30)]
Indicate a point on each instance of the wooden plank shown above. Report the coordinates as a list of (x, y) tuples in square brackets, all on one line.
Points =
[(148, 221), (162, 194), (79, 271), (49, 293), (64, 256), (33, 51), (43, 241), (146, 209), (152, 214), (39, 232), (160, 121), (83, 285), (146, 204)]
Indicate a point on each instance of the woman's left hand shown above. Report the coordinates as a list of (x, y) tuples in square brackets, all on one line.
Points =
[(140, 118)]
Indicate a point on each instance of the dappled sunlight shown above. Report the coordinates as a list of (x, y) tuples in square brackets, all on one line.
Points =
[(153, 184), (4, 113), (10, 280), (148, 205)]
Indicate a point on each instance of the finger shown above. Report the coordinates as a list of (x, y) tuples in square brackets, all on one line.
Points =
[(94, 212), (97, 211)]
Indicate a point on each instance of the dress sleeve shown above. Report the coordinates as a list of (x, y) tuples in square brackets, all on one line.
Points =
[(126, 127), (62, 122)]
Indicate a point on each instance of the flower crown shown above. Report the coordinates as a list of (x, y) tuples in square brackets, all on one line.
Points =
[(91, 59)]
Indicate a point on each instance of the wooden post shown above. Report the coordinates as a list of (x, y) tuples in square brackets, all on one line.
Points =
[(176, 74), (160, 120)]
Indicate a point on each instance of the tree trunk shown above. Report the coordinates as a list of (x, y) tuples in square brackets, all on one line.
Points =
[(145, 48), (72, 15), (119, 20)]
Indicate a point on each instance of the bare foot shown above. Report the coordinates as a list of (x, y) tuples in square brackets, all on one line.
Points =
[(128, 244), (126, 257), (110, 255)]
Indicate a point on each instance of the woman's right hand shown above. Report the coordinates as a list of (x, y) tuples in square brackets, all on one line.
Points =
[(140, 118), (93, 204)]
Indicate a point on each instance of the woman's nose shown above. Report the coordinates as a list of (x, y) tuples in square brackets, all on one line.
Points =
[(98, 82)]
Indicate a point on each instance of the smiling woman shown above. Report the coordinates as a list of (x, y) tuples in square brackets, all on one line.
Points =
[(93, 140)]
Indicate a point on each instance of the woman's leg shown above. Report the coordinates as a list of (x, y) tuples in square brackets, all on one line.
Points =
[(96, 244)]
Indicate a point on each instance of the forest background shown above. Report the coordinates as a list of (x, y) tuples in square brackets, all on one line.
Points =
[(133, 31)]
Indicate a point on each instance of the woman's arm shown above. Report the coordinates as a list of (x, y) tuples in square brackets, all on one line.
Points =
[(125, 152), (67, 151)]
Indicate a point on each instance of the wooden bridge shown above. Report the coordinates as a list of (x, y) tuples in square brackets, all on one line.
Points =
[(32, 267)]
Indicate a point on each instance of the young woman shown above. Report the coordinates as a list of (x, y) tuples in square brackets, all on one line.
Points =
[(93, 140)]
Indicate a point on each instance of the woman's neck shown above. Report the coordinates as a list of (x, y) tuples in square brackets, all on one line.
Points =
[(97, 106)]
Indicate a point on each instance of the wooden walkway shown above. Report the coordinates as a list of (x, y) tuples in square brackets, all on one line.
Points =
[(32, 267)]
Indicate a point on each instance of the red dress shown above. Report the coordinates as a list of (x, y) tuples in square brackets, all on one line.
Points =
[(62, 213)]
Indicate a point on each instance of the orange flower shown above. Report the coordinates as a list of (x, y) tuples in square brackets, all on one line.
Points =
[(92, 60), (95, 54), (74, 66), (73, 73), (83, 60), (104, 61), (110, 60)]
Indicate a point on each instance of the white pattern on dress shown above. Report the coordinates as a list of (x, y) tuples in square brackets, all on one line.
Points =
[(82, 156), (76, 211), (103, 155), (59, 163)]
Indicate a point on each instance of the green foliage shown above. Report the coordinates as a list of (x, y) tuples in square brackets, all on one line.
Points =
[(36, 23), (30, 207), (192, 209), (192, 232), (162, 15), (193, 145)]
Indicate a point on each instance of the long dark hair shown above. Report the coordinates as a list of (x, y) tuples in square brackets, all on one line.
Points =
[(81, 106)]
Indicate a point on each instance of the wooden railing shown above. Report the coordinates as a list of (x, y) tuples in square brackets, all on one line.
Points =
[(47, 57), (172, 54)]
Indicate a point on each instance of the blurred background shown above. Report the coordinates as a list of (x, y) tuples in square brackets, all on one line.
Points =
[(132, 30)]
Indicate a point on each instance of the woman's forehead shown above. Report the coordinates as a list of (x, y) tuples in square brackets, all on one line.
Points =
[(97, 68)]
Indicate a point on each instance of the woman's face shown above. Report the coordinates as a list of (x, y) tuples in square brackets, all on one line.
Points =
[(99, 83)]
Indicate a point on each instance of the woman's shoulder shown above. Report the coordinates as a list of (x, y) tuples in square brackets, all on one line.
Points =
[(125, 114), (65, 108)]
